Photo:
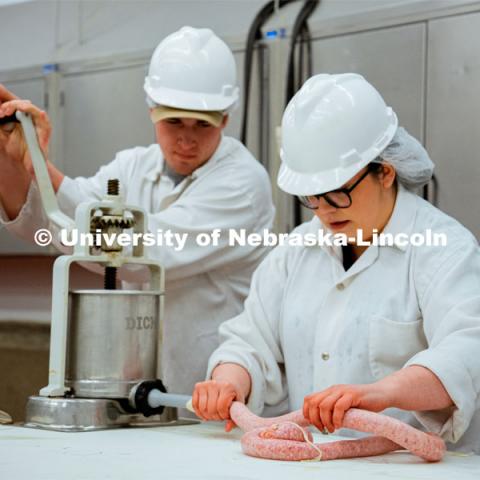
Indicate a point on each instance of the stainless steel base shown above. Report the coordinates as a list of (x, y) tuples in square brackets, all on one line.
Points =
[(87, 414)]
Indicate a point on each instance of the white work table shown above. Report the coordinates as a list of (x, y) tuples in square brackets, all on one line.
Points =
[(202, 451)]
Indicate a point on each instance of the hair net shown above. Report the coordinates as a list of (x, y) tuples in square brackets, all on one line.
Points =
[(411, 161)]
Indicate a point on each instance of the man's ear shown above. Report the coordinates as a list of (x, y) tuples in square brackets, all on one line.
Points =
[(224, 121)]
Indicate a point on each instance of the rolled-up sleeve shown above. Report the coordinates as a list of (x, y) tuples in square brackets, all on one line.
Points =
[(30, 218), (451, 313), (70, 194), (252, 339)]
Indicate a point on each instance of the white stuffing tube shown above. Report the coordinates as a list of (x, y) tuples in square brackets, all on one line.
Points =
[(156, 398)]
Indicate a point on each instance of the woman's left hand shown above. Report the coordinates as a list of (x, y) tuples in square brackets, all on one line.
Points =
[(327, 408)]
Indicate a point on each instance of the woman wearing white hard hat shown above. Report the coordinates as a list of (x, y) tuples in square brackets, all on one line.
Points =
[(192, 180), (327, 328)]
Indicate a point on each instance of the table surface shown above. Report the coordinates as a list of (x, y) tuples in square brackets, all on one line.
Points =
[(202, 451)]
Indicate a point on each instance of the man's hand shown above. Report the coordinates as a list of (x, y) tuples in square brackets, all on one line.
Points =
[(16, 169), (327, 408), (13, 147), (6, 129)]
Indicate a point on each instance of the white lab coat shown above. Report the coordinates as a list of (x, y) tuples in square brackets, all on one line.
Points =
[(308, 324), (204, 285)]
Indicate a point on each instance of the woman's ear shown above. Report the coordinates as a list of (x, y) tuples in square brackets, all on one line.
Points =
[(388, 175)]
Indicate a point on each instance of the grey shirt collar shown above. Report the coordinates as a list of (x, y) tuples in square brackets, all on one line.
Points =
[(174, 176)]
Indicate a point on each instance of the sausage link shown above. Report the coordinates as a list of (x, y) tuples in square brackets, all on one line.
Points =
[(277, 439)]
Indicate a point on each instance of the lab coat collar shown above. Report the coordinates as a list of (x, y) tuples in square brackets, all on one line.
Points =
[(401, 221), (403, 216)]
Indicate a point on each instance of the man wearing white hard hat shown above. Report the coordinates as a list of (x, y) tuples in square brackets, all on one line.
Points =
[(392, 327), (193, 180)]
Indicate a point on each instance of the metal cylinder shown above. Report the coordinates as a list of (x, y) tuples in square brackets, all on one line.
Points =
[(112, 341)]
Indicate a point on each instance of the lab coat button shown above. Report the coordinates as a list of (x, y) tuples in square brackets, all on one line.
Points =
[(340, 286), (325, 356)]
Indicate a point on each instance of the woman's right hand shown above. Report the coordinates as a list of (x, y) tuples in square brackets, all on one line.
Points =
[(212, 399)]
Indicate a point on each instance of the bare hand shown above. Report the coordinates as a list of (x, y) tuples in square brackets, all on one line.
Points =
[(326, 409), (12, 144), (212, 400)]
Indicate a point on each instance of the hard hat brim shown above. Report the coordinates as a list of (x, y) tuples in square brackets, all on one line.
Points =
[(304, 184), (191, 100), (161, 113)]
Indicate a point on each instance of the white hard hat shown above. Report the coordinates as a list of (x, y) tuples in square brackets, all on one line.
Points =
[(192, 69), (331, 129)]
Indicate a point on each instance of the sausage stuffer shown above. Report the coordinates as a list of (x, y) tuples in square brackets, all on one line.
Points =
[(104, 344)]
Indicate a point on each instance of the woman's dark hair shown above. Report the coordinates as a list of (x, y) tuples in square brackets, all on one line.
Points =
[(375, 167)]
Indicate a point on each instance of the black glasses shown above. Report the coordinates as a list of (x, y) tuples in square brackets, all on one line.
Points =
[(339, 198)]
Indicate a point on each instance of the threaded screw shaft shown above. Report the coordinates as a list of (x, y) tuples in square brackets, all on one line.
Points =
[(113, 186), (110, 278)]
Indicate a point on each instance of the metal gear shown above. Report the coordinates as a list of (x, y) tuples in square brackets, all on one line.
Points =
[(111, 221)]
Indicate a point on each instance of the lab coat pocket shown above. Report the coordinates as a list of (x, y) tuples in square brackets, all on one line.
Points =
[(392, 344)]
